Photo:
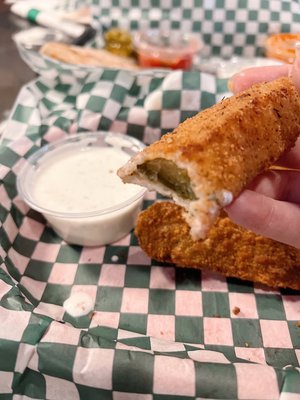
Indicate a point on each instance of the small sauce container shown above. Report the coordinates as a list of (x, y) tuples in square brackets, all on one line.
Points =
[(173, 50), (73, 183), (282, 46)]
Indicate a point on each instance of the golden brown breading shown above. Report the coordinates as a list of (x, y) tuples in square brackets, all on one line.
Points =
[(229, 249), (212, 156)]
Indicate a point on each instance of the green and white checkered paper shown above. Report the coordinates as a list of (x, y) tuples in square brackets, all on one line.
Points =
[(156, 332), (227, 27)]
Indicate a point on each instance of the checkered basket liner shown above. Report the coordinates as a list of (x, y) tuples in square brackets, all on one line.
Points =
[(227, 27), (156, 332)]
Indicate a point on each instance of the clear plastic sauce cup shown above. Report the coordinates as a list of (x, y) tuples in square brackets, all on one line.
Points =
[(73, 183), (174, 50), (282, 46)]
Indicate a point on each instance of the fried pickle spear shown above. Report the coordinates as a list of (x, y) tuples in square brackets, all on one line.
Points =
[(210, 158), (229, 249)]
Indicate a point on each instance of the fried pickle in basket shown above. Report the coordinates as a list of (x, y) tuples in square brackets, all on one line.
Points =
[(229, 249), (210, 158)]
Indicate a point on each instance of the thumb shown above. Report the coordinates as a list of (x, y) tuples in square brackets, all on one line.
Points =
[(248, 77), (265, 216)]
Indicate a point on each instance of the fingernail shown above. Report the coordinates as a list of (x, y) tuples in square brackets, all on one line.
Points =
[(297, 58), (294, 72), (230, 85)]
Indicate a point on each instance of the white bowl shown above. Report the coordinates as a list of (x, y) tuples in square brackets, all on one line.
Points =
[(73, 183)]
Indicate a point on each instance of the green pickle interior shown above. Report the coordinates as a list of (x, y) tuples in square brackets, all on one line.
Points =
[(167, 173)]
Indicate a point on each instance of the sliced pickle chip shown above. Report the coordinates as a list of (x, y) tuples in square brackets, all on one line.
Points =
[(170, 175)]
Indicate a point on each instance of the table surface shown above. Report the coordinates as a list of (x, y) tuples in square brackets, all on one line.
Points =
[(14, 73)]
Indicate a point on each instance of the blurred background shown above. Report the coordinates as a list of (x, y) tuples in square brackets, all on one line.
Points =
[(14, 73)]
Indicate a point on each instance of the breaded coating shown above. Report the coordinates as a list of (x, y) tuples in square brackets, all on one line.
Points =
[(229, 249), (210, 158)]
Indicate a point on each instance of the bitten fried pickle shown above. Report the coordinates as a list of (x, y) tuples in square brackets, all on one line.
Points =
[(210, 158), (229, 249)]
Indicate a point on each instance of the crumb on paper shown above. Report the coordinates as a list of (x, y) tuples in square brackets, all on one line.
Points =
[(78, 304), (246, 344), (236, 310)]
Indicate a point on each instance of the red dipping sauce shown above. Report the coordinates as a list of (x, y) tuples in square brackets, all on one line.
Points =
[(160, 50)]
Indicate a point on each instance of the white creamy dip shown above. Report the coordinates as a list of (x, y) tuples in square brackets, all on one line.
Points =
[(82, 180), (74, 184)]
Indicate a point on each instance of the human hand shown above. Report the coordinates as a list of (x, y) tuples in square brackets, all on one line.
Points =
[(270, 206)]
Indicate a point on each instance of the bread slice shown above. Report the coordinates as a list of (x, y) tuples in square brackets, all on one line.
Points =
[(86, 56)]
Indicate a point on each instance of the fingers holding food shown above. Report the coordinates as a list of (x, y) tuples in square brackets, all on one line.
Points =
[(210, 158)]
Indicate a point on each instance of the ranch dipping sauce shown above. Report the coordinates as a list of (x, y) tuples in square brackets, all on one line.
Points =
[(82, 181), (74, 183)]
